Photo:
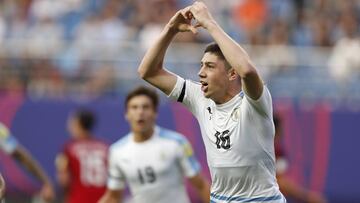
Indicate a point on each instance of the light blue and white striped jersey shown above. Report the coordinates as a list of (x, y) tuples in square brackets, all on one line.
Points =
[(153, 169)]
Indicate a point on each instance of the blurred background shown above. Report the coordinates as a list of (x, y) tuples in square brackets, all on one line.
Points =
[(56, 56)]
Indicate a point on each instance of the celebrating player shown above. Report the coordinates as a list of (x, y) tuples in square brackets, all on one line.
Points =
[(10, 145), (231, 104), (82, 166), (152, 160)]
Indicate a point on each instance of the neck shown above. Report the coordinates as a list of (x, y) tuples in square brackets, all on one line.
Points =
[(229, 94), (143, 136), (84, 136)]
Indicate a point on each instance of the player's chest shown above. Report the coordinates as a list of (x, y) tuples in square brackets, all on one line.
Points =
[(222, 128), (147, 166)]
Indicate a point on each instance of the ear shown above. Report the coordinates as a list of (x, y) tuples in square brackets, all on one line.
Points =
[(156, 115), (232, 74)]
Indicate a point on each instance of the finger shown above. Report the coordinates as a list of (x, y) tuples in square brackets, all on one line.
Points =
[(187, 28), (192, 29), (186, 13), (197, 25)]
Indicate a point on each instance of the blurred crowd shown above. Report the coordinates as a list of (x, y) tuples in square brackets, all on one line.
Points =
[(35, 56)]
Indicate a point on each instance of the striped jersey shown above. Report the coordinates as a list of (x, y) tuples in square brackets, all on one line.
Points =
[(154, 169)]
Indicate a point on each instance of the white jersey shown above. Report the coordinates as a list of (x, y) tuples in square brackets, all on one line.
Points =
[(239, 141), (154, 169), (8, 143)]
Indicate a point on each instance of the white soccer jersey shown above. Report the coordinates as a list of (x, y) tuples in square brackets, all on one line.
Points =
[(154, 169), (8, 143), (239, 141)]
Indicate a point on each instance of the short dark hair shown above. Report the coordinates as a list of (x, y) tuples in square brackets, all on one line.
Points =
[(214, 48), (146, 91), (86, 119)]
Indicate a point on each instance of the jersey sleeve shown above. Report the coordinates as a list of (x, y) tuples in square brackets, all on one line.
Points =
[(8, 143), (189, 165), (188, 93), (262, 105), (116, 180)]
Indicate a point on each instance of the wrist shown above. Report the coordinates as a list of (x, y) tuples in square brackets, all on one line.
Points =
[(170, 30), (210, 25)]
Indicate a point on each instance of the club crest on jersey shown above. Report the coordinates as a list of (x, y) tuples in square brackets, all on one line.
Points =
[(235, 115)]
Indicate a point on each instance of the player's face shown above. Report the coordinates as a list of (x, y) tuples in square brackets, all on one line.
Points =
[(74, 128), (141, 114), (213, 76)]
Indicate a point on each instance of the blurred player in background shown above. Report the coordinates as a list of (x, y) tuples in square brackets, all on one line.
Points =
[(232, 105), (152, 160), (2, 188), (82, 166), (288, 187), (11, 146)]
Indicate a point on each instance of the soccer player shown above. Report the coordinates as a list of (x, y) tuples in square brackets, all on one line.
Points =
[(288, 187), (152, 160), (82, 166), (11, 146), (2, 188), (231, 104)]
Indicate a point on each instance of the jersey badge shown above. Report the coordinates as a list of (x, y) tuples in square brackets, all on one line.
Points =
[(235, 115)]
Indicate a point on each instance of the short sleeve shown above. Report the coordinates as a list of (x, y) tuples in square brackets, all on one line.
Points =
[(179, 90), (262, 105), (189, 165), (116, 178), (188, 93), (8, 143)]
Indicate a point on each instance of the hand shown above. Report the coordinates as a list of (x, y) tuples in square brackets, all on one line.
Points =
[(181, 21), (201, 14), (47, 192)]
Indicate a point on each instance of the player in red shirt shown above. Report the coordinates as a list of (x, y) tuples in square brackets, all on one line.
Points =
[(82, 166), (288, 187)]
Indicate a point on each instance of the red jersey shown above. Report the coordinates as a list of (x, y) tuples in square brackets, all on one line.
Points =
[(88, 169), (279, 150)]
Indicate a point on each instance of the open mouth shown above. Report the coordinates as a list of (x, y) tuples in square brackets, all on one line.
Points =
[(141, 121), (204, 86)]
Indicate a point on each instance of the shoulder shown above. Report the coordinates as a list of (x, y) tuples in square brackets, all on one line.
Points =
[(264, 97), (193, 82), (121, 143), (171, 135), (192, 85), (100, 141)]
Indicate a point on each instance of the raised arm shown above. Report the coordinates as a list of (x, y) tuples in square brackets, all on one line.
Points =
[(151, 68), (24, 157), (233, 52)]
